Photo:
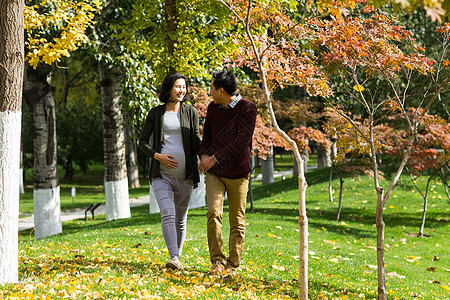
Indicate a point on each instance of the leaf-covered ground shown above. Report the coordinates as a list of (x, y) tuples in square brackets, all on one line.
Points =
[(125, 259)]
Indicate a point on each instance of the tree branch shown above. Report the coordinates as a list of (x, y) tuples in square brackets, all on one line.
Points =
[(401, 167)]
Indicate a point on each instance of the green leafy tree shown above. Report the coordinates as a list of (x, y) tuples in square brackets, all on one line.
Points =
[(189, 36), (78, 114), (166, 36), (53, 30), (115, 64), (79, 145)]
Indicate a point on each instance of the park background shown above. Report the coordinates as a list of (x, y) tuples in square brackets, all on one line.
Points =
[(103, 90)]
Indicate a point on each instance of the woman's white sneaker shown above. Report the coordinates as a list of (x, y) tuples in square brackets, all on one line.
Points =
[(174, 263)]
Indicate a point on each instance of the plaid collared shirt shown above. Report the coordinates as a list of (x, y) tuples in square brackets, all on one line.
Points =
[(233, 103)]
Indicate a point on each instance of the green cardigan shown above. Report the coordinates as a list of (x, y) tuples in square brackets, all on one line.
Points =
[(152, 137)]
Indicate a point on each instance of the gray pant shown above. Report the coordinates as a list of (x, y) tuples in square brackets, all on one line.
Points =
[(173, 195)]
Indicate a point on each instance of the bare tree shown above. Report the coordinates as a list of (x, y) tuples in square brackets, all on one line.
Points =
[(366, 133), (260, 53)]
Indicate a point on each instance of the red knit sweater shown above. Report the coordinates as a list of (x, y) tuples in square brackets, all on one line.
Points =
[(227, 134)]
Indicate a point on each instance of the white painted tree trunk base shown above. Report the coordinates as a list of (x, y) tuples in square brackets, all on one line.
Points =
[(197, 197), (21, 187), (10, 129), (47, 219), (117, 200), (268, 169)]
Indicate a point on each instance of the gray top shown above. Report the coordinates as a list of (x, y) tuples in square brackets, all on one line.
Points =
[(173, 144)]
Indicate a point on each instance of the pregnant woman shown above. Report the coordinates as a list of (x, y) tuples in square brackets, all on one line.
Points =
[(171, 138)]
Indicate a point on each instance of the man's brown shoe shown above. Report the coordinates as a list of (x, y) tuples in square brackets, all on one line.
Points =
[(230, 273), (216, 269)]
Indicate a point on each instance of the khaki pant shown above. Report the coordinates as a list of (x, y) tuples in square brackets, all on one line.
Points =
[(237, 195)]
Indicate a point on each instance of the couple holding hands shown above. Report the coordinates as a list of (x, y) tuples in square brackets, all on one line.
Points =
[(171, 139)]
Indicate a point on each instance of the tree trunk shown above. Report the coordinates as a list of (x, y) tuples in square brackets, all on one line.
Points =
[(446, 185), (333, 153), (341, 188), (330, 187), (131, 153), (116, 181), (382, 199), (21, 172), (444, 107), (424, 213), (267, 169), (68, 169), (11, 78), (323, 157), (171, 15), (305, 158), (39, 96), (143, 162), (425, 202), (302, 184), (303, 233), (250, 189), (250, 193), (381, 272)]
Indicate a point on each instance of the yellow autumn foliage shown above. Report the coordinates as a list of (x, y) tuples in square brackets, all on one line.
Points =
[(64, 21)]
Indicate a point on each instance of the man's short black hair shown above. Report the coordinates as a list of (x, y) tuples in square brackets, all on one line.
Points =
[(225, 80), (166, 87)]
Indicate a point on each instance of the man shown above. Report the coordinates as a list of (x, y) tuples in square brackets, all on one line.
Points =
[(225, 157)]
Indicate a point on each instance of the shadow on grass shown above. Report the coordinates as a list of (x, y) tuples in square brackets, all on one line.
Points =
[(139, 216), (189, 277), (325, 213), (313, 177), (318, 218), (326, 218), (319, 289), (260, 192)]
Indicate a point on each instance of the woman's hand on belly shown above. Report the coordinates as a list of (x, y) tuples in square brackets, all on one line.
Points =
[(166, 160)]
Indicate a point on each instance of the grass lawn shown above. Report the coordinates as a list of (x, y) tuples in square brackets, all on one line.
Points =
[(125, 259), (89, 189)]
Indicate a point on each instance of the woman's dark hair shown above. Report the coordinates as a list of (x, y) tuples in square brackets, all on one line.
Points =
[(166, 87), (225, 80)]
